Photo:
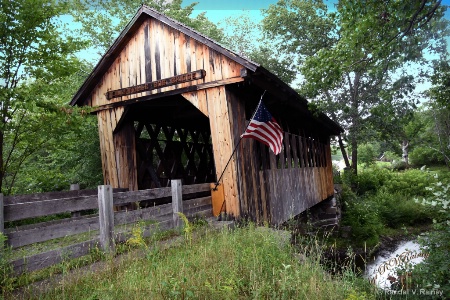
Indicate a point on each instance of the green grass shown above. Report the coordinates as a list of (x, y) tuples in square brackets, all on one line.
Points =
[(246, 263), (53, 244)]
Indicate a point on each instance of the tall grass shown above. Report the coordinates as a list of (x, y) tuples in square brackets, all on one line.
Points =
[(246, 263)]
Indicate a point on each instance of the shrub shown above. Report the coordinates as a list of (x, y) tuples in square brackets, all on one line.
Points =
[(399, 165), (364, 220), (411, 183), (396, 210), (367, 154), (347, 196), (391, 156), (434, 271), (372, 179), (420, 156)]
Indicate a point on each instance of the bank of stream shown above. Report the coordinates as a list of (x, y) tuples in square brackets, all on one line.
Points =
[(377, 264)]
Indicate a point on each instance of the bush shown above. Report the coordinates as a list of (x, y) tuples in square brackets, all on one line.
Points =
[(396, 210), (372, 179), (411, 183), (420, 156), (399, 165), (434, 270), (391, 156), (367, 154), (364, 220)]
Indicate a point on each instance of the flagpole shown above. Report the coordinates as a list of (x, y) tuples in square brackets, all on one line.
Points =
[(240, 139)]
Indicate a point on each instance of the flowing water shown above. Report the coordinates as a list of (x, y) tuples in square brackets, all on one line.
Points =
[(382, 271)]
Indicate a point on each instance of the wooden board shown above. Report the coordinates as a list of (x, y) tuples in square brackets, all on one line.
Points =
[(218, 199), (156, 51)]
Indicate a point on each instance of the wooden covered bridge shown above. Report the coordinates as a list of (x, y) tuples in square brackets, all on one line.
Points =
[(172, 103)]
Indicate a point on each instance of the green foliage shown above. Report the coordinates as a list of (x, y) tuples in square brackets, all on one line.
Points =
[(6, 278), (399, 165), (420, 156), (396, 210), (350, 58), (411, 183), (434, 271), (391, 156), (429, 135), (441, 83), (371, 180), (36, 68), (73, 157), (384, 199), (248, 262), (367, 154), (364, 219)]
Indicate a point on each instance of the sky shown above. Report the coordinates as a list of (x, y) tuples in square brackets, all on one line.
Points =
[(218, 10)]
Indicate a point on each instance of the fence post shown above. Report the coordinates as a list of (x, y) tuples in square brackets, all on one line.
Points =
[(106, 218), (75, 187), (2, 216), (177, 201)]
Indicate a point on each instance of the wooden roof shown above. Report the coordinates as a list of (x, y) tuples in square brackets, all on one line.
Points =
[(253, 71)]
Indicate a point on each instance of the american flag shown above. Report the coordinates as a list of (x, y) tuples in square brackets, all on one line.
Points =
[(264, 128)]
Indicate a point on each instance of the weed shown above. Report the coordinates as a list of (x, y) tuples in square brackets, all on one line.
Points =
[(188, 228), (137, 237), (6, 270)]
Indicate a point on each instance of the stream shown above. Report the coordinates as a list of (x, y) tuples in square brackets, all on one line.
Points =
[(382, 270)]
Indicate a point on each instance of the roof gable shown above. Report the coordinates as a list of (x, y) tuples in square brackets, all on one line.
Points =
[(143, 14)]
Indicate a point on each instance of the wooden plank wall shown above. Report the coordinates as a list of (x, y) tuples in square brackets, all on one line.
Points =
[(253, 186), (223, 145), (303, 180), (277, 188), (117, 150), (125, 150), (156, 51)]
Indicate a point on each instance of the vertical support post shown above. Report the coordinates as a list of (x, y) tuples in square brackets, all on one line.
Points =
[(177, 201), (75, 187), (106, 218), (2, 216)]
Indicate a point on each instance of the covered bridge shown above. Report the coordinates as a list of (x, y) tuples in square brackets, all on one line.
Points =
[(172, 103)]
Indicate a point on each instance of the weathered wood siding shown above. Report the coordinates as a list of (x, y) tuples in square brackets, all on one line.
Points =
[(276, 188), (157, 51), (213, 103), (117, 150)]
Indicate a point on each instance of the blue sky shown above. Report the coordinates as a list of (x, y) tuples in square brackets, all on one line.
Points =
[(217, 10)]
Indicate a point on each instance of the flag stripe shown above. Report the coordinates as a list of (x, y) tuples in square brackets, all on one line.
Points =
[(269, 136), (264, 128), (275, 147)]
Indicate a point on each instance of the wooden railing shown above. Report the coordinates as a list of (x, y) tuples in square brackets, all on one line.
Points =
[(107, 221)]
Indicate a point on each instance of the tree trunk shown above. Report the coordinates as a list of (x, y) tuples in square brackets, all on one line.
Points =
[(2, 169), (354, 155), (405, 152), (344, 152)]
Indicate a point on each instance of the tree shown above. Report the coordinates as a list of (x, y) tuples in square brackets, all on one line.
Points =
[(356, 60), (440, 92), (242, 35), (68, 140), (35, 55)]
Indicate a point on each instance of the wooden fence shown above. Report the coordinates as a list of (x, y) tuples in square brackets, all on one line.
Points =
[(165, 216)]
